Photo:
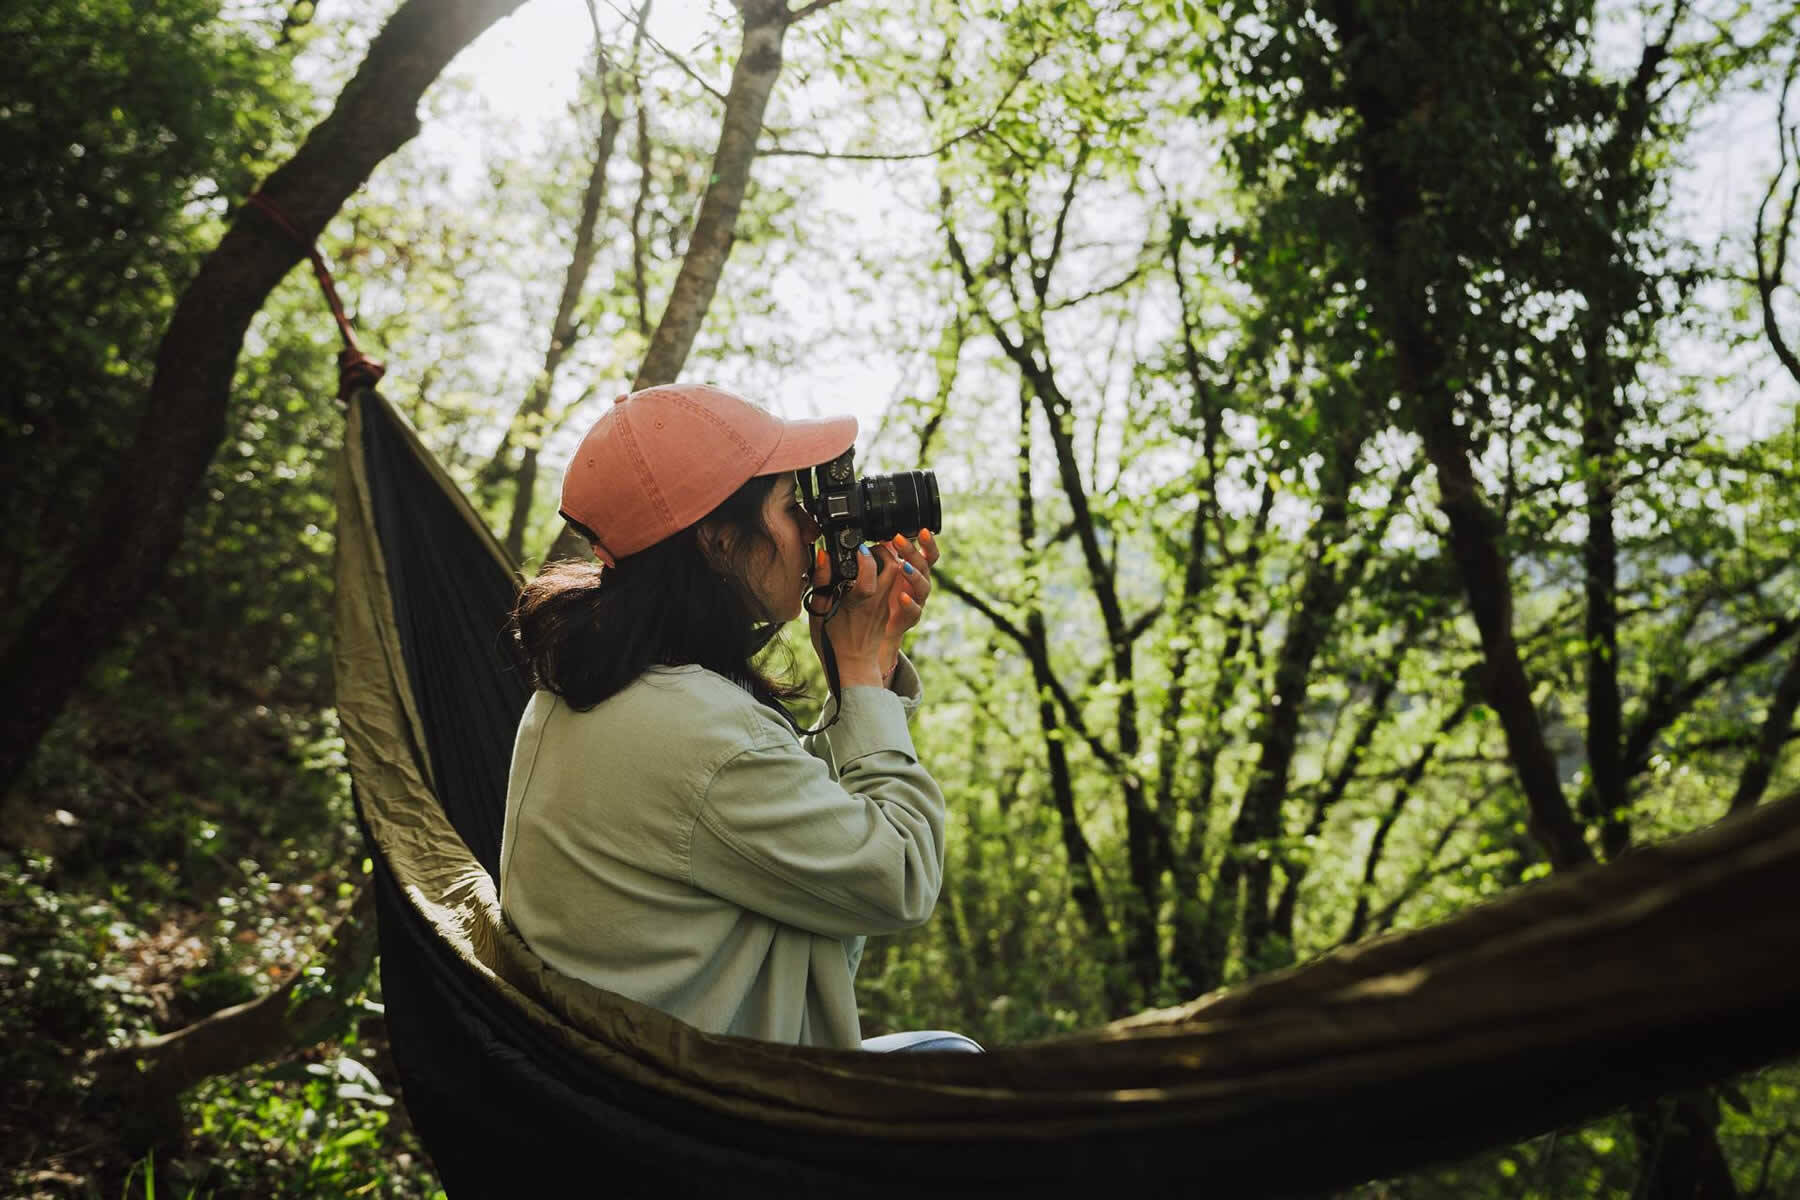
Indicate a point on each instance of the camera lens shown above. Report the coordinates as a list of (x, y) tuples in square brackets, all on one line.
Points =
[(902, 503)]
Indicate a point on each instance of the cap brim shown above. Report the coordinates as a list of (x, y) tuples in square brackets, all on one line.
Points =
[(809, 443)]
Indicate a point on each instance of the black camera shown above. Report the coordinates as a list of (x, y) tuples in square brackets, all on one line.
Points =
[(851, 511)]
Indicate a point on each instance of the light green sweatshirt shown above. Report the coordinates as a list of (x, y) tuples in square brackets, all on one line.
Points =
[(677, 844)]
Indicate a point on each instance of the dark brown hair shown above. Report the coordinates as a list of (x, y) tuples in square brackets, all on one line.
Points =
[(587, 631)]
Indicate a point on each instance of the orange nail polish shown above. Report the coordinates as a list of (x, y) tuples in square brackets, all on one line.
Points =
[(821, 557), (900, 541), (924, 535)]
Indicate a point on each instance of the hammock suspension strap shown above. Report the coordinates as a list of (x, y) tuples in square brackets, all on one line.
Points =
[(355, 369)]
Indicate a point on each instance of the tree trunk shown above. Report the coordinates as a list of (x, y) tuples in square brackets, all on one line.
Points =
[(1084, 887), (565, 328), (1604, 799), (135, 526), (1140, 822), (563, 332), (1393, 198), (640, 288), (715, 228), (1475, 545), (1197, 574), (1192, 955), (1259, 817)]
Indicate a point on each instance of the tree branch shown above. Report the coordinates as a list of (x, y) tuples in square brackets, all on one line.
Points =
[(1402, 793), (807, 10), (1769, 277), (136, 524), (710, 243), (1059, 692), (1671, 700), (308, 1007), (1774, 734), (565, 329), (1334, 788), (973, 131), (1106, 289), (1040, 273), (1259, 818), (680, 63)]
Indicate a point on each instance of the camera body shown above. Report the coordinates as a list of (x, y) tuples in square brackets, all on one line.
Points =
[(851, 511)]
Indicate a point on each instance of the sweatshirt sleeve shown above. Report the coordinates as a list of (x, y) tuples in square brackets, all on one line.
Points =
[(862, 853), (905, 687)]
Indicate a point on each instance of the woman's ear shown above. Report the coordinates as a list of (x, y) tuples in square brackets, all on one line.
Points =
[(716, 546)]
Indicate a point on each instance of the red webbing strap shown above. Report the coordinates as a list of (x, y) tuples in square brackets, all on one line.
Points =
[(355, 369)]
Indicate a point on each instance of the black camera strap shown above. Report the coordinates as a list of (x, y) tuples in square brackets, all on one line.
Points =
[(828, 656)]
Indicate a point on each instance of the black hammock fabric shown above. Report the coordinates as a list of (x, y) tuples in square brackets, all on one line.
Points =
[(1562, 1000), (451, 594)]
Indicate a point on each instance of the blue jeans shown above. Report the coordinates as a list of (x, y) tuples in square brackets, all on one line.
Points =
[(922, 1039)]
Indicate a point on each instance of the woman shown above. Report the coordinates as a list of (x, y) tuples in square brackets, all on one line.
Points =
[(669, 834)]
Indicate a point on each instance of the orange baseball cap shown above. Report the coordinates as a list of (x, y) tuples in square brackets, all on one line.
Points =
[(662, 458)]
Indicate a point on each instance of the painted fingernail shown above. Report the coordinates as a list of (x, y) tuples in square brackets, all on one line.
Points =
[(908, 568), (821, 559), (924, 535), (906, 600), (864, 550), (900, 541)]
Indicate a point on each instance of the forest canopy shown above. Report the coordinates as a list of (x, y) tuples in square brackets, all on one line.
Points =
[(1368, 432)]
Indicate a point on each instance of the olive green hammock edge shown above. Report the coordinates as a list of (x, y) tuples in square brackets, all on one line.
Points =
[(1559, 1001)]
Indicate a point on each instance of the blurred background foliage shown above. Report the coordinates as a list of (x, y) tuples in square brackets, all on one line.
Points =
[(1192, 309)]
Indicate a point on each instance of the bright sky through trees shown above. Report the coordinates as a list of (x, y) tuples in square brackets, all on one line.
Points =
[(527, 69)]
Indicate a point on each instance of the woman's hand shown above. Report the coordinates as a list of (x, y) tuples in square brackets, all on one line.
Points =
[(916, 561), (876, 610)]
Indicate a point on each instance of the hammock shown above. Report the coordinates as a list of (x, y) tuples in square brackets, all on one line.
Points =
[(1677, 965)]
